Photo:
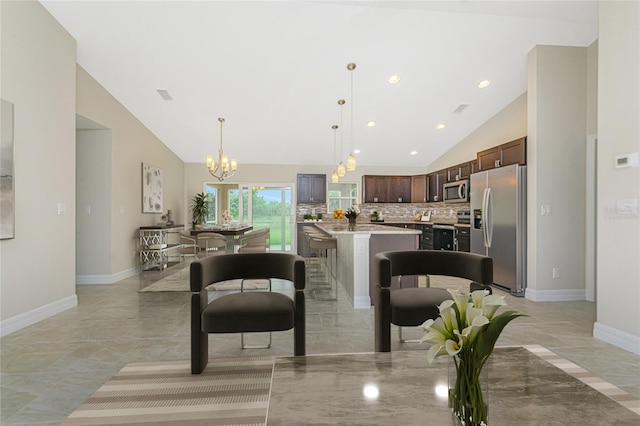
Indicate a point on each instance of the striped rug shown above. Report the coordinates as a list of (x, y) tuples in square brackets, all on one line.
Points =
[(231, 391)]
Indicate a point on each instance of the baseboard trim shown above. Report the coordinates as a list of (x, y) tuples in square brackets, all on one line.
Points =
[(26, 319), (616, 337), (555, 295), (361, 302), (106, 279)]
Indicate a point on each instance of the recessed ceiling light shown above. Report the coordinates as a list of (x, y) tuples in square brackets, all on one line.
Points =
[(356, 151), (413, 152), (484, 83), (441, 126), (394, 79), (371, 123)]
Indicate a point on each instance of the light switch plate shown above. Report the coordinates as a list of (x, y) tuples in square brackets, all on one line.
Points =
[(545, 210)]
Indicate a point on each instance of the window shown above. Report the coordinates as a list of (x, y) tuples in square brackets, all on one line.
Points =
[(212, 196), (342, 195)]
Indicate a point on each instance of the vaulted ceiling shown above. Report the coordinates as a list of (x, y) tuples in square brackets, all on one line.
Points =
[(276, 69)]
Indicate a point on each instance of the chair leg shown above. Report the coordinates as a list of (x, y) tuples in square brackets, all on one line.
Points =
[(199, 339), (406, 340), (299, 325), (382, 321), (244, 346)]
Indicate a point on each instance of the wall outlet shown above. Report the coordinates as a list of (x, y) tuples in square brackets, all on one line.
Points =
[(555, 272)]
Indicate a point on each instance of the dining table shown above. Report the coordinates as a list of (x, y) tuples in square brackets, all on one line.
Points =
[(231, 233)]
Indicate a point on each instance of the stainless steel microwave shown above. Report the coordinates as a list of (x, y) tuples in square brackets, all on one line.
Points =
[(456, 192)]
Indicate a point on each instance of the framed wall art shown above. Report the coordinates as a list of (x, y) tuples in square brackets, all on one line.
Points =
[(151, 189), (7, 176)]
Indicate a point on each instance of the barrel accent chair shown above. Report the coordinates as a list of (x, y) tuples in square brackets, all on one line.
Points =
[(413, 306), (245, 312)]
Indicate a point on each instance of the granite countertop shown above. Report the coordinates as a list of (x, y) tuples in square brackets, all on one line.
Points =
[(363, 228)]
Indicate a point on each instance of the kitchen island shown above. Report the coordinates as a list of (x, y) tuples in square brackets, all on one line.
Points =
[(356, 250)]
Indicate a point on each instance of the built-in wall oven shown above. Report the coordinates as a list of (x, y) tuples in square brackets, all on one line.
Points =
[(444, 237)]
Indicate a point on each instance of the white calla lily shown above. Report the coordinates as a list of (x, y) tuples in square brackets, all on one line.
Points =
[(491, 303), (477, 297), (462, 301), (446, 304), (479, 321), (434, 337), (440, 326), (472, 312), (449, 317), (425, 325), (453, 347), (434, 351)]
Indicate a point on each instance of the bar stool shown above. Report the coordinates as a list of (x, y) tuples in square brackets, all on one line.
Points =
[(311, 255), (327, 248)]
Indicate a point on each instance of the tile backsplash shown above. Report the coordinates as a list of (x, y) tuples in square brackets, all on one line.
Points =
[(442, 212)]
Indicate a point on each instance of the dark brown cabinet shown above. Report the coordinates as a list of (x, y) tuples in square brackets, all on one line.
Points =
[(399, 189), (514, 152), (312, 188), (426, 239), (461, 171), (435, 182), (386, 189), (419, 189), (463, 238)]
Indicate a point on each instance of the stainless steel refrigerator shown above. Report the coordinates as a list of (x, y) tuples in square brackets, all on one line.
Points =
[(498, 200)]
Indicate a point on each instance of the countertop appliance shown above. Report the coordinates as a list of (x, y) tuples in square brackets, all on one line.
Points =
[(456, 192), (499, 223)]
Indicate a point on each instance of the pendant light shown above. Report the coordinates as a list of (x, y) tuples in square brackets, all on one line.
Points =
[(341, 170), (334, 176), (224, 168), (351, 160)]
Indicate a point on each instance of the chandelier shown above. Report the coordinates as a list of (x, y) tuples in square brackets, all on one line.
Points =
[(223, 168)]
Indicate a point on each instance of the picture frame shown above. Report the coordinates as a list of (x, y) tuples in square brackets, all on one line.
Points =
[(151, 189), (7, 172)]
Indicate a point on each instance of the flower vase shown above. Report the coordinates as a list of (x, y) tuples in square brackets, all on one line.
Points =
[(468, 391), (352, 224)]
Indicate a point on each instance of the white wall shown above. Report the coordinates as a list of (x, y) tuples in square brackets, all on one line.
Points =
[(507, 125), (618, 271), (38, 77), (93, 212), (131, 145), (556, 158)]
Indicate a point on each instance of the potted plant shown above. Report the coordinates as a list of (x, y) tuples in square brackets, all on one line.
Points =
[(199, 209)]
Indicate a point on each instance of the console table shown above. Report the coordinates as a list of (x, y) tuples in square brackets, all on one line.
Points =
[(155, 247)]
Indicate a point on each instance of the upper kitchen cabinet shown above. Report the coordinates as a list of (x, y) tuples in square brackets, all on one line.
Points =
[(399, 189), (386, 189), (513, 152), (312, 188), (461, 171), (435, 181), (419, 189)]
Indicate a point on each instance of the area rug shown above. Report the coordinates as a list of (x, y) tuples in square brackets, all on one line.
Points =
[(180, 282), (230, 391)]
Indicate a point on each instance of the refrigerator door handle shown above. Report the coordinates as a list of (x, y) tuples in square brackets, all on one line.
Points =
[(483, 219), (489, 216)]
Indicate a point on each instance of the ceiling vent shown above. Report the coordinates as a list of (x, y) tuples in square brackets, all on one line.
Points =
[(460, 108), (165, 95)]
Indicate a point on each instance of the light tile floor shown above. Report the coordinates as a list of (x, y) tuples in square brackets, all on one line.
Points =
[(50, 368)]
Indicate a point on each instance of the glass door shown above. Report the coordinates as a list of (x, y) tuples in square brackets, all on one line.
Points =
[(269, 206)]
